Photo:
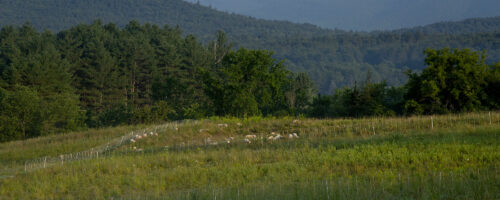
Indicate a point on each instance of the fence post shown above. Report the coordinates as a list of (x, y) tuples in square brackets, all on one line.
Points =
[(373, 127), (44, 161), (327, 193), (489, 114), (432, 123)]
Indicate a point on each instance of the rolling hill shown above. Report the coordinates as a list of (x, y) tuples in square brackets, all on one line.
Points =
[(360, 14), (330, 159)]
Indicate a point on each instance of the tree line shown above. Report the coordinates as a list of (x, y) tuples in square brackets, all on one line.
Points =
[(100, 75), (454, 80), (333, 59)]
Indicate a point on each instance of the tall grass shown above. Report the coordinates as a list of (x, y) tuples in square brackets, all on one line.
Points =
[(444, 157)]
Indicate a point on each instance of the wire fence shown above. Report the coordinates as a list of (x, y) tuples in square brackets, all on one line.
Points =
[(99, 151), (298, 132), (464, 184)]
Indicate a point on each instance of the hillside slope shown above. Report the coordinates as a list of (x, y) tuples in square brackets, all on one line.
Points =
[(403, 158), (360, 14), (333, 58)]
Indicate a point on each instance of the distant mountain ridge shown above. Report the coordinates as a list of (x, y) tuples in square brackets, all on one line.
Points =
[(57, 15), (361, 15), (333, 58), (473, 25)]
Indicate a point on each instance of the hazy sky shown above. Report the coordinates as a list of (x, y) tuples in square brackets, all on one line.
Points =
[(361, 14)]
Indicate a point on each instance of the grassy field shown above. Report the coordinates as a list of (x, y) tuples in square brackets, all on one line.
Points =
[(432, 157)]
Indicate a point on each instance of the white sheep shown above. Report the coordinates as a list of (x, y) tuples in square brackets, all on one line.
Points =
[(277, 137), (270, 137), (250, 137), (151, 133), (222, 125), (296, 121), (145, 135), (132, 140), (295, 135), (247, 141), (239, 124), (156, 134), (290, 136)]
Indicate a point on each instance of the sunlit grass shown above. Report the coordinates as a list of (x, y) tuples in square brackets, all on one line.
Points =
[(444, 157)]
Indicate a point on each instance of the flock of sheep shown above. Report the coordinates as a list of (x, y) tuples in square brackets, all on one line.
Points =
[(141, 136), (208, 141), (273, 137)]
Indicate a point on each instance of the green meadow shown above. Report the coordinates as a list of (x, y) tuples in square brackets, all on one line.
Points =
[(424, 157)]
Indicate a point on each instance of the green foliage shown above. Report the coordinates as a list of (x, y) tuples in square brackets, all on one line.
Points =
[(371, 99), (455, 80), (332, 58), (37, 78), (21, 114), (493, 86), (99, 75), (334, 158), (247, 83)]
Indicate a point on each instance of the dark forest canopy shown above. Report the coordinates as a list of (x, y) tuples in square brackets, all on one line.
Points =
[(100, 75), (454, 80), (332, 58)]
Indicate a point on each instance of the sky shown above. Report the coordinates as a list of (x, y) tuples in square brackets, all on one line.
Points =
[(360, 15)]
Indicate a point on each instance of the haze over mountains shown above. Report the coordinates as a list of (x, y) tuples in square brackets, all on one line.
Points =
[(362, 15), (332, 58)]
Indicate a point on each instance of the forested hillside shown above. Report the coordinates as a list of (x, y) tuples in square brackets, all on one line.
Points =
[(100, 75), (361, 15), (333, 59)]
